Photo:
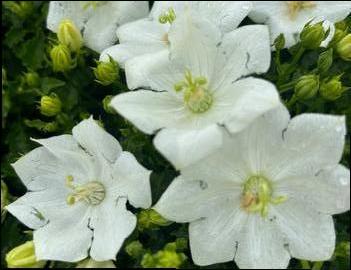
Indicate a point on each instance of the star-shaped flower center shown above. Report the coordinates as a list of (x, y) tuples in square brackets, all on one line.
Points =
[(167, 16), (92, 192), (197, 97), (294, 7), (258, 194)]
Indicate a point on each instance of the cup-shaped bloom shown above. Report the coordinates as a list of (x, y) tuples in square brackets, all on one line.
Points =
[(267, 194), (98, 20), (79, 185), (199, 86), (290, 17)]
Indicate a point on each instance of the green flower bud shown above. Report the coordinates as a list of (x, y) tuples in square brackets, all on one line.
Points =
[(50, 105), (342, 249), (23, 256), (332, 89), (32, 79), (61, 58), (325, 60), (4, 199), (312, 36), (135, 249), (69, 35), (106, 72), (343, 48), (148, 261), (279, 42), (90, 263), (106, 104), (338, 35), (21, 9), (41, 125), (169, 259), (149, 219), (307, 87)]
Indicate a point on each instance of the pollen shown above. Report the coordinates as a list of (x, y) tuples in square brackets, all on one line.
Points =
[(294, 7)]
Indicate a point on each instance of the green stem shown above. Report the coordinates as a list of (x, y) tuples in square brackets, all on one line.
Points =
[(317, 265), (285, 87), (305, 264), (292, 101), (298, 55)]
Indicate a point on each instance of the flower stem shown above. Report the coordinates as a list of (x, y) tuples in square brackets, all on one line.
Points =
[(317, 266), (305, 264), (285, 87), (292, 101)]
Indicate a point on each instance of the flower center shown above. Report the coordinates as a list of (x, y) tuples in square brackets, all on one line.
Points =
[(258, 194), (196, 95), (167, 16), (92, 192), (294, 7), (93, 4)]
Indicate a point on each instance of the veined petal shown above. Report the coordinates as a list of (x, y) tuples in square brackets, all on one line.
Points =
[(132, 180), (148, 110), (112, 224), (184, 147), (261, 246), (96, 140), (187, 200), (310, 235)]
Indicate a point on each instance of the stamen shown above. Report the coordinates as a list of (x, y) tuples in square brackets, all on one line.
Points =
[(167, 17), (294, 7)]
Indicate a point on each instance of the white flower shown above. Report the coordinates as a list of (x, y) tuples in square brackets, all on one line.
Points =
[(78, 188), (199, 87), (139, 40), (289, 17), (97, 19), (267, 195)]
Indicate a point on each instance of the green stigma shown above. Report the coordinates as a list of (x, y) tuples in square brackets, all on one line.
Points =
[(93, 4), (258, 194), (92, 193), (167, 17), (197, 97)]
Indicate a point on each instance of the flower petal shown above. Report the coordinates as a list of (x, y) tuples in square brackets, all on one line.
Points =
[(112, 224), (245, 100), (184, 147), (148, 110), (96, 140), (243, 51), (214, 239), (310, 235), (132, 180), (187, 200), (327, 192), (261, 246)]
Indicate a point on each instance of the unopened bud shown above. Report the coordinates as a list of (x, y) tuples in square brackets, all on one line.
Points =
[(332, 89), (22, 8), (61, 58), (279, 42), (32, 79), (325, 61), (307, 87), (106, 104), (343, 48), (135, 249), (50, 105), (69, 35), (23, 256), (312, 36), (106, 72)]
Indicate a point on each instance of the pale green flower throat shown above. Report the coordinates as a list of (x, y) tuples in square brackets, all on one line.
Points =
[(197, 97), (92, 192), (258, 194)]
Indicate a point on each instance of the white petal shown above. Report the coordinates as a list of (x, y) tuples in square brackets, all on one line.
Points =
[(60, 10), (184, 147), (187, 200), (100, 29), (312, 142), (148, 110), (133, 180), (310, 235), (96, 140), (214, 239), (261, 245), (243, 51), (112, 223), (245, 100), (66, 238), (327, 192)]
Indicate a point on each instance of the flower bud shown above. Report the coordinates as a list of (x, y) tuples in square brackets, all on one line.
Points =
[(32, 79), (23, 256), (106, 72), (338, 35), (106, 104), (307, 87), (312, 36), (21, 9), (50, 105), (343, 48), (148, 219), (90, 263), (135, 249), (61, 58), (69, 35), (325, 60), (332, 89), (279, 42)]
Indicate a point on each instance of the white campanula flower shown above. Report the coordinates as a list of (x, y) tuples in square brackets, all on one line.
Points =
[(267, 195), (289, 17), (98, 20), (78, 186), (139, 40), (199, 86)]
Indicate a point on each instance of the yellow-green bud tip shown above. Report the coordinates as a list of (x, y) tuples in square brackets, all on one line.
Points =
[(343, 48), (50, 105), (61, 58), (23, 256), (312, 36), (106, 72), (307, 87), (69, 35)]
